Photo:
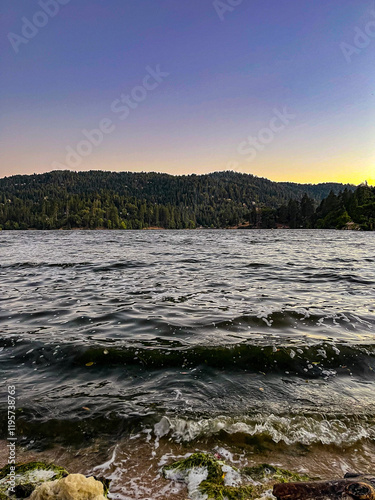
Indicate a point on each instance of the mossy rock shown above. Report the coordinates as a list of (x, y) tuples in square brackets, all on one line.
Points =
[(254, 481), (266, 472), (220, 491), (198, 460), (27, 477)]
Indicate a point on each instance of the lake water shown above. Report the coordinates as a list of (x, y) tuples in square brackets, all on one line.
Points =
[(133, 347)]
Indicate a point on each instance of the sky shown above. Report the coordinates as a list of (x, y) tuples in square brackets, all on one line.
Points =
[(282, 89)]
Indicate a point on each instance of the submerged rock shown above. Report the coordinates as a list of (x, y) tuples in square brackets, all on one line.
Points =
[(208, 478), (20, 481), (352, 487), (72, 487)]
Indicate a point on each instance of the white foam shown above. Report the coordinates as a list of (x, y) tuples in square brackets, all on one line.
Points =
[(225, 454), (290, 429), (267, 495), (162, 428), (108, 464), (193, 478), (32, 476), (232, 477)]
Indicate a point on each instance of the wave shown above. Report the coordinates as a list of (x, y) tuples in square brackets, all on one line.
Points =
[(288, 429), (89, 265), (119, 265), (321, 360), (284, 319), (258, 265), (191, 261), (35, 265), (335, 276), (259, 429)]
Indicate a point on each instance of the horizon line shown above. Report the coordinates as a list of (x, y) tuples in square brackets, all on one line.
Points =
[(364, 182)]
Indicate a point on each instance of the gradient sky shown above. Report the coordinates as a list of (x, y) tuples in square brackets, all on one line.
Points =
[(226, 78)]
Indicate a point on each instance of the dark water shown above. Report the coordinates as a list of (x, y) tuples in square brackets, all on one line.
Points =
[(244, 336)]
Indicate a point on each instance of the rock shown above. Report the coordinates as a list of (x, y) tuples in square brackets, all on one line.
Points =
[(39, 480), (270, 473), (24, 478), (208, 477), (72, 487), (352, 487), (24, 490)]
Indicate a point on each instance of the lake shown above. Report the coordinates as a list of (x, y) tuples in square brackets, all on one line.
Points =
[(130, 348)]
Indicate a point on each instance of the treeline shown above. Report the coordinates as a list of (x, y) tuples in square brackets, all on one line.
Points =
[(92, 212), (125, 200), (346, 210), (188, 190)]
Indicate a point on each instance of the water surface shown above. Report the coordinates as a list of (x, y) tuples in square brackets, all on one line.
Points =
[(261, 341)]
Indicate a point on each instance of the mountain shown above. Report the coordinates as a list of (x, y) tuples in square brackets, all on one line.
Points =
[(128, 200)]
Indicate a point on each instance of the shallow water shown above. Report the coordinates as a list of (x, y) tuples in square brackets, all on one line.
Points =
[(260, 341)]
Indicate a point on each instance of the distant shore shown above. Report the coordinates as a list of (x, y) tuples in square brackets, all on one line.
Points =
[(225, 200), (155, 228)]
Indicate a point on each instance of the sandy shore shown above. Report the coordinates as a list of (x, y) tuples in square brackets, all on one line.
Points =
[(133, 465)]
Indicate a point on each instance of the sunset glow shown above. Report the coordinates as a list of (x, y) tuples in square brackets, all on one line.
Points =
[(224, 80)]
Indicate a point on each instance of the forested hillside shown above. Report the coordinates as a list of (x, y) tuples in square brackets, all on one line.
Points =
[(126, 200), (345, 210)]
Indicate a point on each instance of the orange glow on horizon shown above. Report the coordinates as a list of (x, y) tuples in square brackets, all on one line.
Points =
[(349, 170)]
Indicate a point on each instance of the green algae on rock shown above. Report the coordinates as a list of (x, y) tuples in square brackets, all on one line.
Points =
[(271, 473), (220, 491), (196, 460), (208, 478), (27, 477)]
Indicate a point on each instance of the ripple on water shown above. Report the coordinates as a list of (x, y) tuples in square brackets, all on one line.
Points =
[(215, 325)]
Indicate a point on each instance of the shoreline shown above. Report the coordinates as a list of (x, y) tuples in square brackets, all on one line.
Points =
[(232, 228), (134, 463)]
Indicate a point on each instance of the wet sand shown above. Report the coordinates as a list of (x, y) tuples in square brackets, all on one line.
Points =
[(134, 464)]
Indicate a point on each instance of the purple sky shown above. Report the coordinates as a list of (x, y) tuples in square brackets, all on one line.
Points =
[(232, 71)]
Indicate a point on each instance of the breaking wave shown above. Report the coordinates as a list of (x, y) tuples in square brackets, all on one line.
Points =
[(305, 430)]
